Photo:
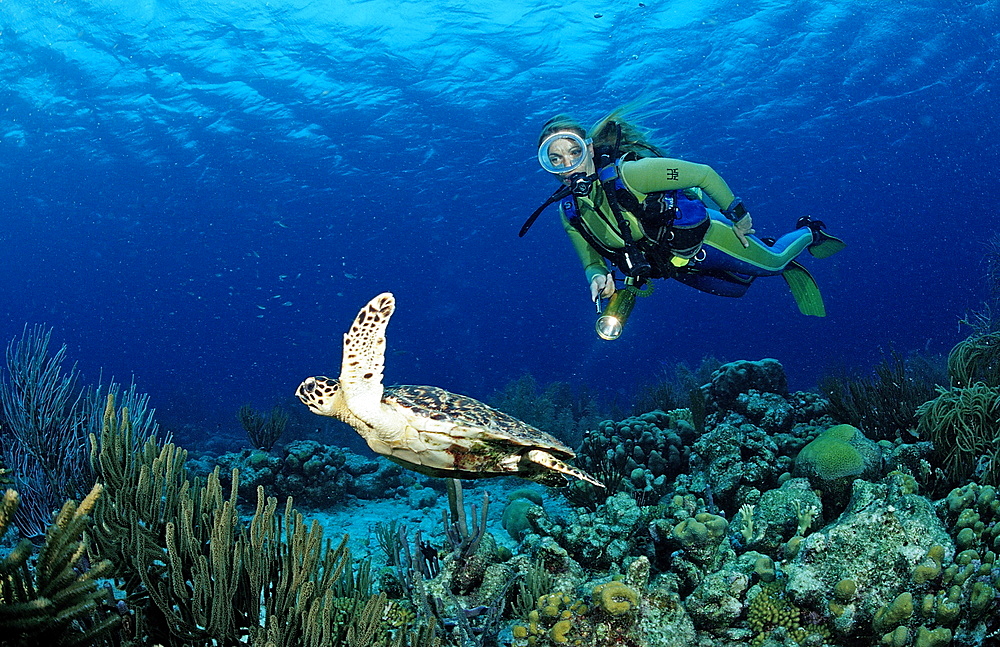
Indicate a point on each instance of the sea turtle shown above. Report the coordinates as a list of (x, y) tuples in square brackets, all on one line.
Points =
[(425, 428)]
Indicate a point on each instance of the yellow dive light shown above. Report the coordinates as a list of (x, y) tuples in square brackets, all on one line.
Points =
[(612, 320)]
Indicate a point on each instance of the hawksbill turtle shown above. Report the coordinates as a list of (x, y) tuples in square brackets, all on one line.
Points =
[(426, 428)]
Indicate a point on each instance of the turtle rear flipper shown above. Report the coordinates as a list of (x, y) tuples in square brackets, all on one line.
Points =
[(547, 460)]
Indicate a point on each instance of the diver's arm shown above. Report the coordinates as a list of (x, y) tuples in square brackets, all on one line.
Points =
[(666, 174), (593, 264)]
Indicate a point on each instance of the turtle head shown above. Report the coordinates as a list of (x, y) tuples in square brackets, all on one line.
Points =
[(321, 394)]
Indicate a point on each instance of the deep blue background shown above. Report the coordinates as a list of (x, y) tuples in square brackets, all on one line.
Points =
[(202, 194)]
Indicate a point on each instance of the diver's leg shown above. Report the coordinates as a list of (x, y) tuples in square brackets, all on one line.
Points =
[(723, 252), (723, 284)]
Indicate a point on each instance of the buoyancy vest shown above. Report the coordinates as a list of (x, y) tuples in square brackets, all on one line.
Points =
[(673, 222)]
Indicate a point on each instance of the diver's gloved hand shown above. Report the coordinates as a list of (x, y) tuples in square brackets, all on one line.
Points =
[(742, 223), (743, 228), (603, 286)]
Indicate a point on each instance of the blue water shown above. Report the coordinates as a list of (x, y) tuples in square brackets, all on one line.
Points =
[(202, 194)]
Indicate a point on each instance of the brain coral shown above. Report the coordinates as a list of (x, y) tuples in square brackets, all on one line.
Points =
[(836, 457)]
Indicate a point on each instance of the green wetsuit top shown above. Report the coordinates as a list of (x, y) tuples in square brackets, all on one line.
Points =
[(641, 176)]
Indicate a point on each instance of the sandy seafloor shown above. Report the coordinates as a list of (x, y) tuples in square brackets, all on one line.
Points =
[(358, 517)]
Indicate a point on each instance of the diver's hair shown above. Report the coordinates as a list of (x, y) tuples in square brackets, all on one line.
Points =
[(561, 123), (634, 139), (604, 133)]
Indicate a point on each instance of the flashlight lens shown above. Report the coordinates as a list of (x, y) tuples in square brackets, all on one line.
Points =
[(609, 327)]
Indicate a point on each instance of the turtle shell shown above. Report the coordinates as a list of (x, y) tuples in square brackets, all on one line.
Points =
[(470, 420)]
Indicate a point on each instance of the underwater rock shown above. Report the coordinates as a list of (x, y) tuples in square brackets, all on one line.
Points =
[(717, 602), (769, 411), (734, 378), (515, 519), (876, 542), (778, 515), (736, 456), (604, 538), (388, 481)]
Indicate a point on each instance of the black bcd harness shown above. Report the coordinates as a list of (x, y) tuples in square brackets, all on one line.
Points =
[(673, 222)]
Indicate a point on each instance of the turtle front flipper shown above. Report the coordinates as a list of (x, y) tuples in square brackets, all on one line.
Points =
[(361, 370), (547, 460)]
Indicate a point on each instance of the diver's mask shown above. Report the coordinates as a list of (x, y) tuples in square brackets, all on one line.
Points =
[(563, 152)]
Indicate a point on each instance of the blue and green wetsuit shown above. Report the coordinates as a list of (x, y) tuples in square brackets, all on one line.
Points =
[(722, 266)]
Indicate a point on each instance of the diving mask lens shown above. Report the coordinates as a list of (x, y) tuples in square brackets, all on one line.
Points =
[(563, 153)]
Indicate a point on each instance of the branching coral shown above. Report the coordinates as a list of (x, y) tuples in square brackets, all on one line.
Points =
[(182, 549), (770, 609), (975, 359), (57, 601), (47, 419), (44, 440), (263, 431)]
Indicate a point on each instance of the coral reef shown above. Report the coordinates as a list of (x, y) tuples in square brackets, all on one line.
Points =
[(751, 517), (317, 475), (640, 455)]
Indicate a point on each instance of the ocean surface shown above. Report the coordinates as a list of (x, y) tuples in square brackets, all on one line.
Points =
[(200, 195)]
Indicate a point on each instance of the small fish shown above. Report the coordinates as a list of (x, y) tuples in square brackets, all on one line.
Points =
[(281, 224)]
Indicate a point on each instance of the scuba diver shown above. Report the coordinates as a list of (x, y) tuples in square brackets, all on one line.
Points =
[(623, 201)]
